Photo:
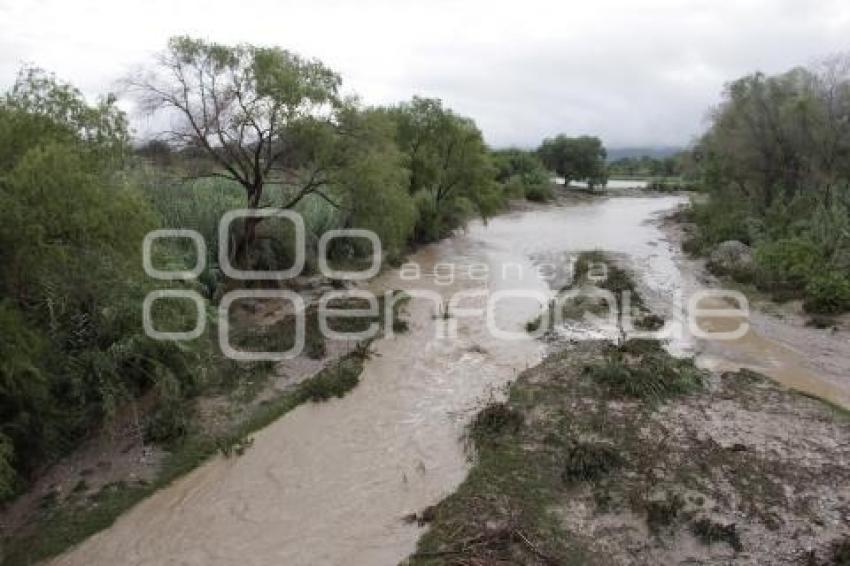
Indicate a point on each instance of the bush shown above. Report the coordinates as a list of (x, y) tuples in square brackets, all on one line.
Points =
[(539, 192), (661, 513), (786, 264), (828, 294), (720, 220), (168, 423)]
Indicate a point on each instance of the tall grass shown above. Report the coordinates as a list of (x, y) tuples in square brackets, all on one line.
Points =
[(199, 204)]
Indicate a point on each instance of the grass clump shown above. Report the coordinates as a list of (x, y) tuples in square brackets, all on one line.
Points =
[(710, 532), (496, 419), (334, 381), (590, 462), (840, 553), (233, 445), (596, 267), (661, 513), (641, 370)]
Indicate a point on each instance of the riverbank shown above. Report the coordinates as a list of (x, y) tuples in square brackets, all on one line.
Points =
[(119, 467), (782, 341), (570, 470), (681, 229), (625, 455)]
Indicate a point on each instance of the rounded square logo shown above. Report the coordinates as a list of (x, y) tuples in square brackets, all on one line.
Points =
[(249, 356), (243, 274), (200, 254), (374, 268), (147, 318)]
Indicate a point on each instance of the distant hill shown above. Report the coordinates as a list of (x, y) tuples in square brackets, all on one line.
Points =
[(615, 153)]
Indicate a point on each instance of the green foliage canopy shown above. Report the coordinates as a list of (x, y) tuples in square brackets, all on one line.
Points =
[(575, 159)]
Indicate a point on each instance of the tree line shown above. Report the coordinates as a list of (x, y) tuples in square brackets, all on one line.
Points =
[(776, 162), (247, 127)]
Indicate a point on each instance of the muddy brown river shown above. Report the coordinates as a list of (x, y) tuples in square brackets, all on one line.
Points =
[(329, 483)]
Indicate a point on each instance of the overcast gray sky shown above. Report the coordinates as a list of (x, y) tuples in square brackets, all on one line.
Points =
[(634, 73)]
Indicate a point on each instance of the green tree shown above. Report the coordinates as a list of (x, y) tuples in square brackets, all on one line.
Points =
[(776, 161), (373, 180), (259, 114), (522, 174), (450, 172), (39, 109), (575, 159)]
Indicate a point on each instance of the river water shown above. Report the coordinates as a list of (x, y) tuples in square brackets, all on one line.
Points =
[(329, 483)]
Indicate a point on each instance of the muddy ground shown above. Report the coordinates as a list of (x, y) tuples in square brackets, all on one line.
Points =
[(573, 470)]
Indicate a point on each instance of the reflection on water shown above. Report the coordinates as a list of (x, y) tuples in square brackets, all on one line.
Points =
[(329, 483)]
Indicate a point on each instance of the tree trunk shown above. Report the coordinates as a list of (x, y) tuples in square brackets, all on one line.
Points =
[(249, 230)]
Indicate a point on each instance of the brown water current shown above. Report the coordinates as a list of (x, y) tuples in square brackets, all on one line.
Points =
[(329, 483)]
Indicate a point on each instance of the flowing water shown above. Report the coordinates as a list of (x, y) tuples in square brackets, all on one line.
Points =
[(329, 483)]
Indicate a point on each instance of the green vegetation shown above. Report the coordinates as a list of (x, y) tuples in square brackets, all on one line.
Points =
[(575, 159), (590, 461), (77, 202), (286, 138), (654, 376), (450, 174), (646, 167), (523, 175), (775, 162), (71, 287)]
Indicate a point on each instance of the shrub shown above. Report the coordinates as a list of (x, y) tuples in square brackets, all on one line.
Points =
[(828, 294), (721, 219), (786, 264), (539, 192), (71, 227), (662, 513)]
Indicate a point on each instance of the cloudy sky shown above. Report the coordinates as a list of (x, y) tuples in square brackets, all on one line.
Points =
[(635, 73)]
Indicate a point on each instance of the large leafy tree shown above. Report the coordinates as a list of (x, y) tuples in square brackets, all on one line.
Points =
[(39, 109), (575, 159), (372, 180), (774, 137), (450, 171), (263, 115)]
